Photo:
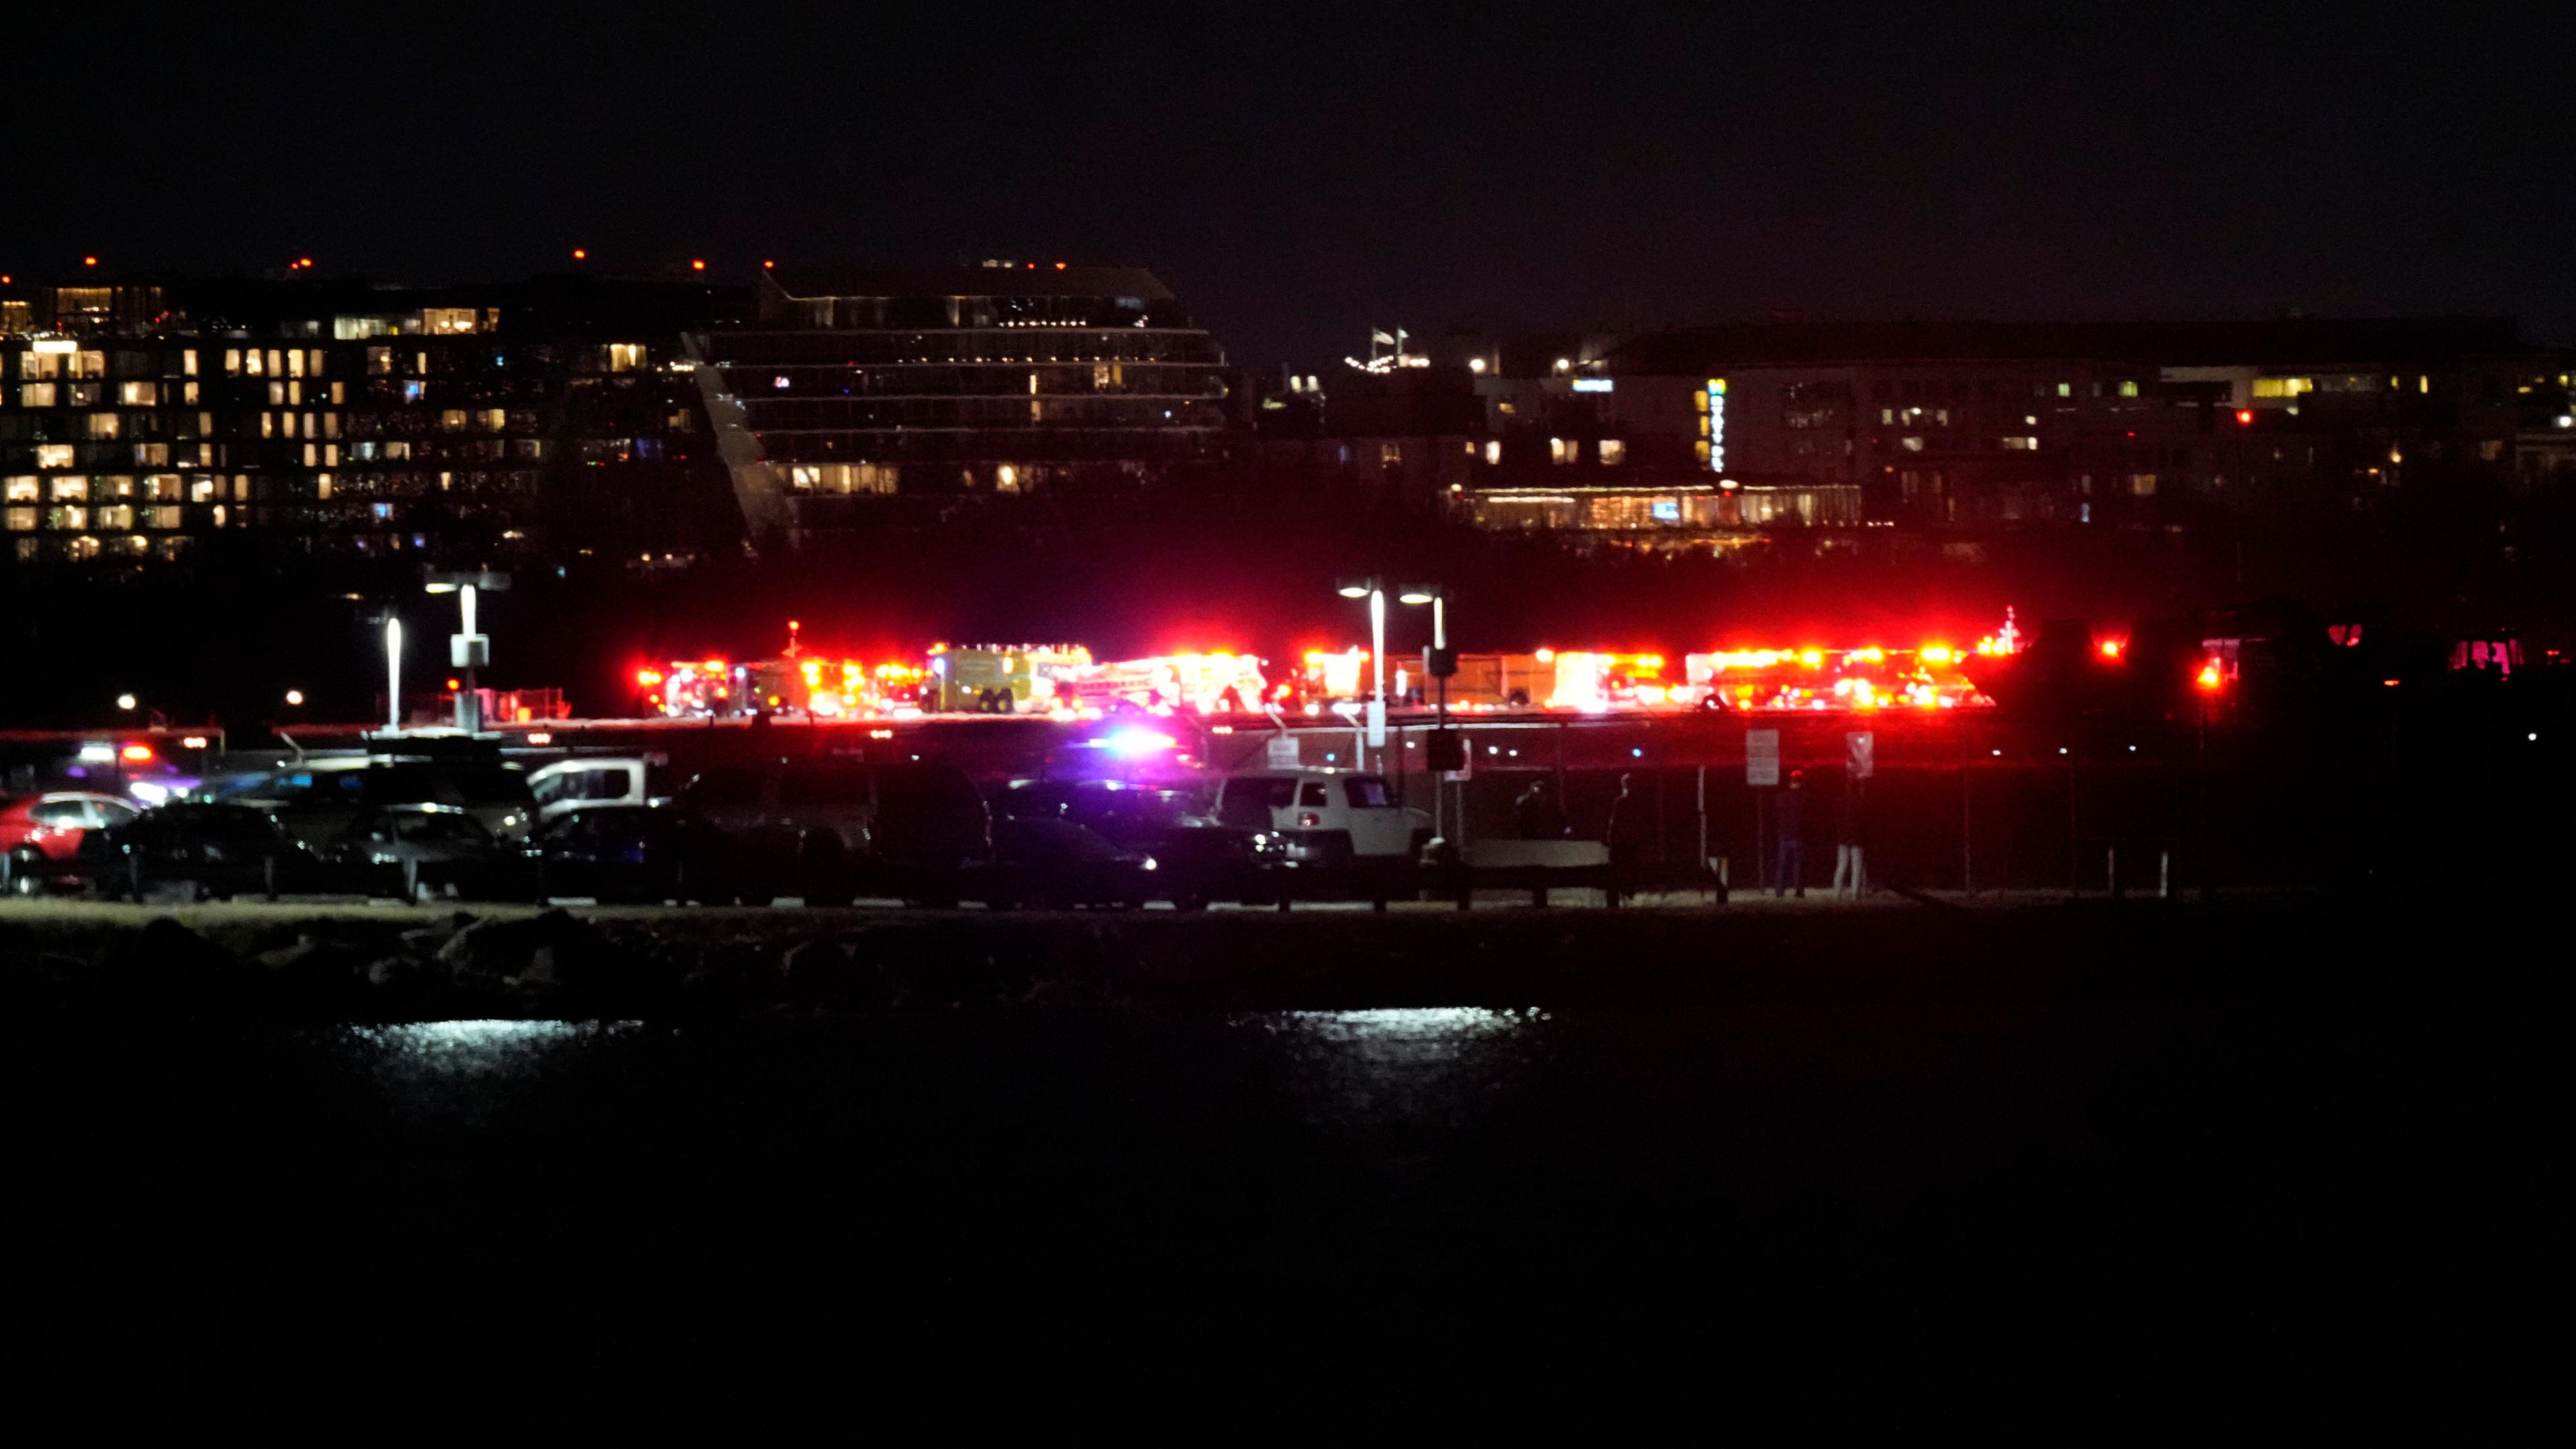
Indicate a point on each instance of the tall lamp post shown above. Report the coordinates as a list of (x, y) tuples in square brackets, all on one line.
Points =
[(1445, 754), (393, 673), (1374, 591), (467, 650)]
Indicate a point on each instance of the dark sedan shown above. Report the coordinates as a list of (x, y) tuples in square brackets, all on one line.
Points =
[(207, 850), (609, 853)]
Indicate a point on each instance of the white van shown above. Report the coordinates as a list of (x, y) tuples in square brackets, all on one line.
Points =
[(1324, 817), (579, 784)]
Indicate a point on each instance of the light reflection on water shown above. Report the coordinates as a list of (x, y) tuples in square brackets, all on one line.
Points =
[(1411, 1064), (466, 1044)]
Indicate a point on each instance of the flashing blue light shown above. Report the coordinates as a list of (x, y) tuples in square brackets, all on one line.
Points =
[(1134, 742)]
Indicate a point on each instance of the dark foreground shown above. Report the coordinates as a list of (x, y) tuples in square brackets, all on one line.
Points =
[(2283, 1150)]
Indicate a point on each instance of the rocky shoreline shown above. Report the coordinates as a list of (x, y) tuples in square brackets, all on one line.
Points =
[(360, 966)]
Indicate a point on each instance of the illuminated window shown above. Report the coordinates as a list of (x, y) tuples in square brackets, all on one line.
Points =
[(72, 517), (1390, 455), (268, 425), (187, 392), (339, 392), (84, 548), (114, 515), (322, 485), (233, 362), (164, 516), (20, 489), (330, 425), (40, 365), (188, 363), (380, 360), (21, 519), (312, 456), (495, 419), (277, 394), (295, 394), (103, 425), (2128, 387), (2142, 485), (117, 486), (1614, 451), (36, 394), (447, 321), (625, 356), (89, 364), (221, 514), (1493, 452), (53, 455), (1564, 450), (2283, 386), (1911, 444), (314, 367), (2066, 389), (203, 489), (276, 368), (452, 419)]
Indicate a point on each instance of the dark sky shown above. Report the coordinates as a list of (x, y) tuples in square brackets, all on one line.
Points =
[(1300, 172)]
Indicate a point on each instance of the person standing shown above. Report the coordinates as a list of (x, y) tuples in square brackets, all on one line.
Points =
[(1790, 814), (1625, 833), (1536, 815), (1851, 866)]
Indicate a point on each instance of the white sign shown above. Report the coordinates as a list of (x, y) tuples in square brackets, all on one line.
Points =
[(1284, 754), (1761, 757), (1860, 755)]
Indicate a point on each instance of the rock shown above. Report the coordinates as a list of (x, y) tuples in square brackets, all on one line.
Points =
[(167, 969)]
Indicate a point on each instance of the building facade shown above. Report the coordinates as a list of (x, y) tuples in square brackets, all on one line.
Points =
[(861, 401), (151, 423)]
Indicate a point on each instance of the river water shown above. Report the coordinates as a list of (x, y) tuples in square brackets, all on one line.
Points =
[(1441, 1175)]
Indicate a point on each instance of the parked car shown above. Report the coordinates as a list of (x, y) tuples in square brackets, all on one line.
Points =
[(1196, 858), (1324, 818), (318, 800), (829, 830), (423, 852), (571, 785), (1056, 864), (610, 853), (40, 835), (213, 850)]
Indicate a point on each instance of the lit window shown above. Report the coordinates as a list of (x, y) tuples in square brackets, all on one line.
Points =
[(36, 394), (233, 362), (53, 455), (1493, 451), (1390, 455), (295, 362), (21, 519), (625, 356), (380, 360), (21, 489), (103, 425), (268, 425), (188, 363), (276, 394), (73, 517), (322, 486), (275, 367), (1564, 450), (202, 489), (339, 392), (2066, 389), (452, 419), (114, 515), (1614, 451), (495, 419), (447, 321), (89, 364), (188, 392), (2128, 387), (2142, 485), (1911, 444), (164, 517)]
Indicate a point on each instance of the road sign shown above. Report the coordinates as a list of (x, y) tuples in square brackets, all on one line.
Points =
[(1860, 755), (1283, 754), (1761, 757)]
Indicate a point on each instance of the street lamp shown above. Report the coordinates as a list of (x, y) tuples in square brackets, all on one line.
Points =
[(1374, 591), (295, 697), (393, 673), (1445, 754), (125, 702), (468, 649)]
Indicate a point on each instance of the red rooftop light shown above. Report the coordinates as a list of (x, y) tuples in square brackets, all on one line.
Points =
[(2244, 417), (697, 266)]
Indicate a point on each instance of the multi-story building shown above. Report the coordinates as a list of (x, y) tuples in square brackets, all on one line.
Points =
[(860, 401), (149, 422)]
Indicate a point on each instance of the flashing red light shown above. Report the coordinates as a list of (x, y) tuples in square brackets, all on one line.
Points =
[(580, 254), (454, 685), (2244, 417), (2209, 675), (697, 266), (136, 754), (89, 261), (2111, 647), (768, 264), (1059, 266), (304, 262), (2390, 683)]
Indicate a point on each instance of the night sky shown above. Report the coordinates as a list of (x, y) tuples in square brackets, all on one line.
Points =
[(1299, 173)]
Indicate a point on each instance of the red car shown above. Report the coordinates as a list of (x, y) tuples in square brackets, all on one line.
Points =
[(41, 833)]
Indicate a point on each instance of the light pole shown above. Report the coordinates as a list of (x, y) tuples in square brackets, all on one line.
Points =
[(1374, 591), (468, 649), (1445, 755), (393, 673)]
